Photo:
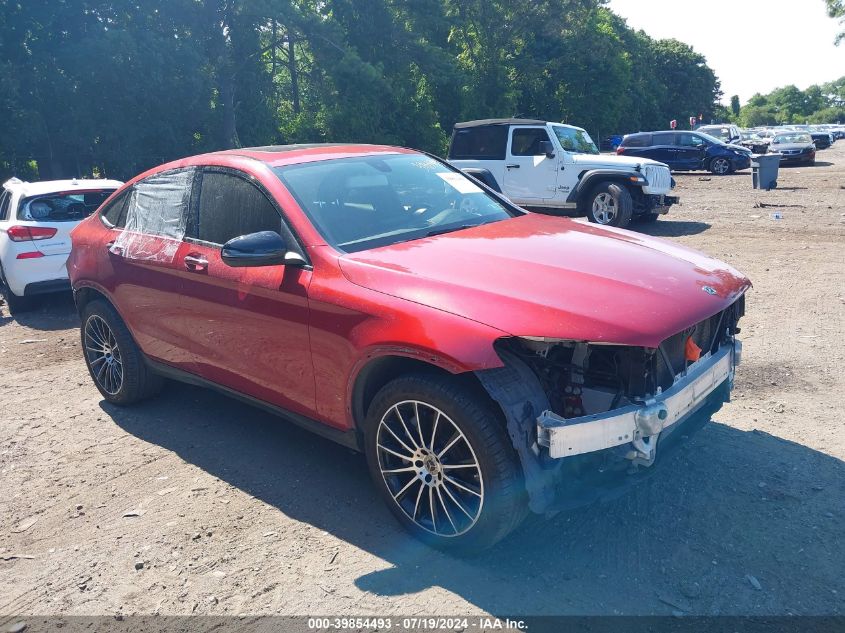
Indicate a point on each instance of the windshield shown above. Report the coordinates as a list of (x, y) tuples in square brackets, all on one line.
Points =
[(575, 140), (372, 201), (62, 207), (795, 137), (722, 133)]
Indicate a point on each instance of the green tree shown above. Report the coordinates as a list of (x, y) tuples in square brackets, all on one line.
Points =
[(836, 9), (735, 107)]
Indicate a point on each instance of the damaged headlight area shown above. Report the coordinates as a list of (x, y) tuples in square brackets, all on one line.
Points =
[(603, 396)]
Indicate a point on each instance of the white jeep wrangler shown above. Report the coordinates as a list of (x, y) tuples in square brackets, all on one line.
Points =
[(552, 167)]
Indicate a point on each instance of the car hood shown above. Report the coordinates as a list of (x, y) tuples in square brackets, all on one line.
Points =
[(776, 147), (611, 161), (545, 276)]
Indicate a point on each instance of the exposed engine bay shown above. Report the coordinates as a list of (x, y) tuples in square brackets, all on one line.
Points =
[(582, 378)]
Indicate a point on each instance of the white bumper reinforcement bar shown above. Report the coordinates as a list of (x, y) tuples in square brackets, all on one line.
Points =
[(637, 423)]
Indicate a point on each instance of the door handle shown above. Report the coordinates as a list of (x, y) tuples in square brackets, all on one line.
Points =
[(196, 263), (512, 166)]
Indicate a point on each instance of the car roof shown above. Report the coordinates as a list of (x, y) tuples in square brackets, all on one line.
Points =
[(280, 155), (27, 189), (484, 122)]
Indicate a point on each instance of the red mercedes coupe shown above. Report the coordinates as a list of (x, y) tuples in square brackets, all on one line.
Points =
[(488, 361)]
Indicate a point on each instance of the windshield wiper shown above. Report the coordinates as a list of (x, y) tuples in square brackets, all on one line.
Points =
[(452, 229)]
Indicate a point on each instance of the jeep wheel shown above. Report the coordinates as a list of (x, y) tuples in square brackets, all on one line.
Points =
[(441, 459), (114, 361), (610, 204), (720, 166)]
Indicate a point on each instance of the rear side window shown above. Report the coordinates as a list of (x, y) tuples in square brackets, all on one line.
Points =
[(526, 141), (479, 143), (665, 138), (641, 140), (156, 216), (115, 213), (62, 207), (231, 206)]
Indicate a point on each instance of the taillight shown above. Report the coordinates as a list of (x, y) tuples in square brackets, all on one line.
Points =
[(30, 233), (620, 150)]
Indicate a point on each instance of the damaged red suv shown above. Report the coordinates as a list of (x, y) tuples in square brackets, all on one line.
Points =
[(486, 360)]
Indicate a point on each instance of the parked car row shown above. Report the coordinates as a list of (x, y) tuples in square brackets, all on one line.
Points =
[(487, 360), (687, 151)]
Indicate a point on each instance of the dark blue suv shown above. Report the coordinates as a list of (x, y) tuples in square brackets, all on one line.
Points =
[(687, 151)]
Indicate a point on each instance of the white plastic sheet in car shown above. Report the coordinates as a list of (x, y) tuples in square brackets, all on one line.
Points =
[(156, 217)]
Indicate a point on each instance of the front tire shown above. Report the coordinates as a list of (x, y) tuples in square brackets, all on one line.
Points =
[(114, 361), (439, 455), (610, 204), (720, 166)]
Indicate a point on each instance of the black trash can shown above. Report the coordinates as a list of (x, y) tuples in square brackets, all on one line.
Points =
[(764, 170)]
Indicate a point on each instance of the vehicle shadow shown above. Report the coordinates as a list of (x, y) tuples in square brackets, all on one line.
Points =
[(49, 312), (727, 506), (670, 228)]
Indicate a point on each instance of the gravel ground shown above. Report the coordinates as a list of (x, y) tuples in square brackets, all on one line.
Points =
[(195, 503)]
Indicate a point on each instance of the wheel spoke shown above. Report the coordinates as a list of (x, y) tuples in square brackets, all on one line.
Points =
[(434, 430), (450, 445), (394, 471), (419, 422), (405, 487), (398, 439), (455, 466), (417, 503), (431, 506), (461, 486), (458, 503), (392, 452), (446, 510), (405, 426)]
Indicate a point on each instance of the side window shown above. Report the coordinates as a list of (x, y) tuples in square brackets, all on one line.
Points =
[(665, 138), (114, 215), (643, 140), (485, 142), (690, 140), (231, 206), (526, 141), (5, 203)]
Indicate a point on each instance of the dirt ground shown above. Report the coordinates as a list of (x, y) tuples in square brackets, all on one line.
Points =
[(195, 503)]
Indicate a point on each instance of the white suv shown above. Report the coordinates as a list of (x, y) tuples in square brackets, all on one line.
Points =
[(36, 219), (552, 168)]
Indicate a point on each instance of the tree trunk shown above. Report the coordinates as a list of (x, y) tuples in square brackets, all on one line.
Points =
[(294, 73)]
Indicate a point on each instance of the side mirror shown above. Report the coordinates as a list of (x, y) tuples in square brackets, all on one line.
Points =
[(547, 148), (265, 248)]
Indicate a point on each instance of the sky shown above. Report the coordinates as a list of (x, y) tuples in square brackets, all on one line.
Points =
[(794, 39)]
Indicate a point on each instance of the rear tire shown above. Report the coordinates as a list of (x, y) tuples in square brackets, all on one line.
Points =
[(16, 304), (114, 361), (442, 461), (610, 204)]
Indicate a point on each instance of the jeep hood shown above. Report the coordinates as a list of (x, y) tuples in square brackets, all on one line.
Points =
[(611, 161), (538, 275)]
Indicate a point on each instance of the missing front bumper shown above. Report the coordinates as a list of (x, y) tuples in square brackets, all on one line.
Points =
[(639, 425)]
